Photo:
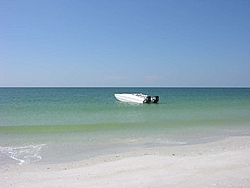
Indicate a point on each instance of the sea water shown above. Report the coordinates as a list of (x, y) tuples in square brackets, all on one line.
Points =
[(53, 125)]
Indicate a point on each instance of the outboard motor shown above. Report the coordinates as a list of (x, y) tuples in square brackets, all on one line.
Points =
[(155, 99), (147, 99)]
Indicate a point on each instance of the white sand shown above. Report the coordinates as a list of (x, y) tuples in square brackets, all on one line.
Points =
[(219, 164)]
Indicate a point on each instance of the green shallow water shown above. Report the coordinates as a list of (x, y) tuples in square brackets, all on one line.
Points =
[(64, 124)]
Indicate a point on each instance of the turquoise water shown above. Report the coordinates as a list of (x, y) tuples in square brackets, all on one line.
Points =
[(53, 125)]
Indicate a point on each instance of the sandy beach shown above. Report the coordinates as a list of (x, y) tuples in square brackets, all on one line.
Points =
[(224, 163)]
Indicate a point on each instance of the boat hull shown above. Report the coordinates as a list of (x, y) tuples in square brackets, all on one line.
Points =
[(131, 98)]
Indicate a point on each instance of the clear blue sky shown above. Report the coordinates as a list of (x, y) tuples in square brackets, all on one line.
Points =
[(125, 43)]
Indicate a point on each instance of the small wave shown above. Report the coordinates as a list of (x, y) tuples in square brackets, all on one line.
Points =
[(24, 154), (168, 141), (150, 140)]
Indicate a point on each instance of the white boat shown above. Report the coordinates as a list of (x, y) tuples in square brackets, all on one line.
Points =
[(136, 98)]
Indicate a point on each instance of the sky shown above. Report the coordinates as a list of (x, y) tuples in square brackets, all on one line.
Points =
[(124, 43)]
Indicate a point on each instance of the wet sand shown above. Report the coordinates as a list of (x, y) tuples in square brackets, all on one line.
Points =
[(224, 163)]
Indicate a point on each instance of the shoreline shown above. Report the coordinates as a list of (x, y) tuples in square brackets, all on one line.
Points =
[(223, 163)]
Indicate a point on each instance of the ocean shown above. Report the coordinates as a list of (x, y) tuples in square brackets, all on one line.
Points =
[(54, 125)]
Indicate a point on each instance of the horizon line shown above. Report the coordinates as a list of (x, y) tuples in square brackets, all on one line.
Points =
[(124, 86)]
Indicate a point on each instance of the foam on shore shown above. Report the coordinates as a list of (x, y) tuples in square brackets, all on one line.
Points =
[(23, 154)]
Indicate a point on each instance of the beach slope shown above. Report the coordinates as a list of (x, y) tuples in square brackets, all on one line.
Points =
[(224, 163)]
